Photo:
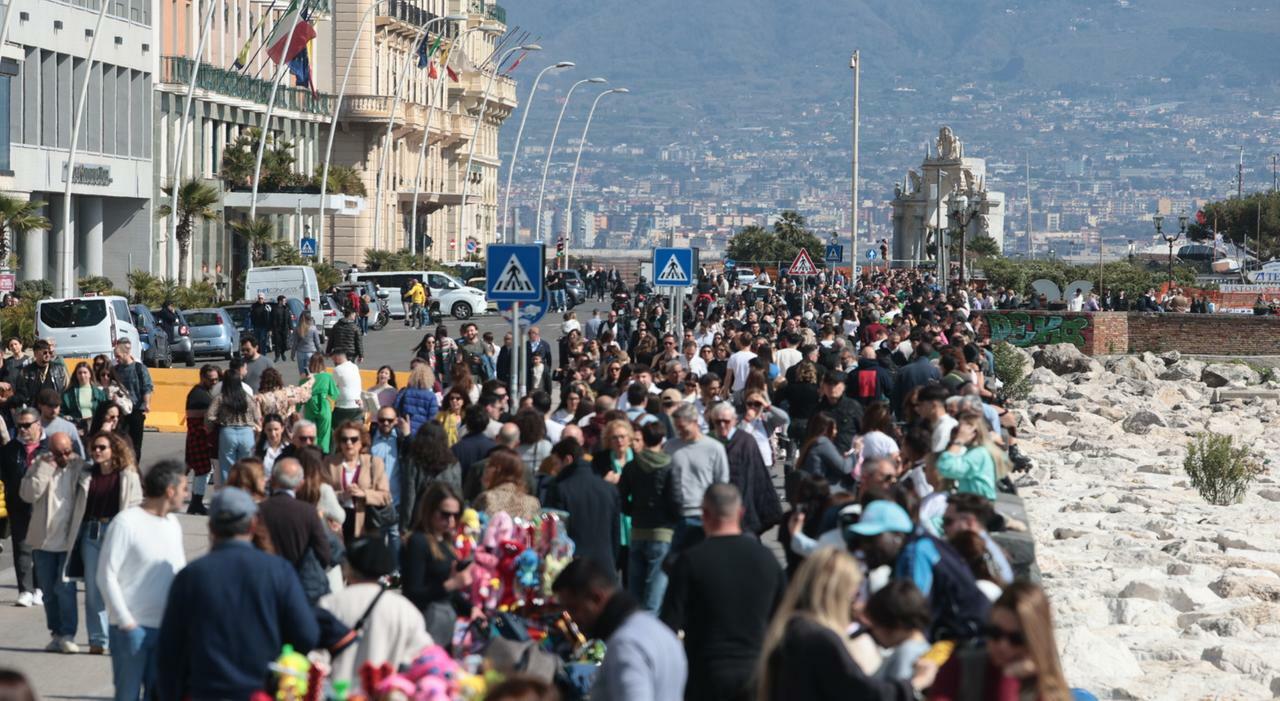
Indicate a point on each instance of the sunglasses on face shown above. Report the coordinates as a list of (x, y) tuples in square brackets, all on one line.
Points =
[(449, 515), (722, 421), (349, 439), (756, 405), (994, 633), (387, 420), (101, 447), (27, 425), (307, 439)]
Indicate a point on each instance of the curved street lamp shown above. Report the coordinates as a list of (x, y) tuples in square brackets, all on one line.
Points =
[(573, 181), (337, 107), (1170, 238), (515, 151), (475, 135), (542, 190), (382, 175), (281, 69)]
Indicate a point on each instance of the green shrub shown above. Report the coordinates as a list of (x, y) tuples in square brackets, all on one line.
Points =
[(34, 289), (1219, 469), (1009, 370), (19, 320)]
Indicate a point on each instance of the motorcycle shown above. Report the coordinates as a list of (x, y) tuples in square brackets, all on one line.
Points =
[(621, 302)]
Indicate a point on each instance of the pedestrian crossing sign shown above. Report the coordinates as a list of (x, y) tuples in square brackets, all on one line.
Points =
[(308, 247), (673, 267), (513, 272), (803, 265)]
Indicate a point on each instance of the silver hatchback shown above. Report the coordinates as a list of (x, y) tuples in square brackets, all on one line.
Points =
[(212, 332)]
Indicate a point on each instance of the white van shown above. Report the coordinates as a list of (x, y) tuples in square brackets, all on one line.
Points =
[(81, 327), (447, 292), (297, 281)]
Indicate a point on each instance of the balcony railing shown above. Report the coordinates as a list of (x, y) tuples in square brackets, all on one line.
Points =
[(490, 10), (178, 69)]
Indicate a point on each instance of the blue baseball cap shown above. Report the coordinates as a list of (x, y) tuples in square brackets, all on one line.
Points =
[(882, 516)]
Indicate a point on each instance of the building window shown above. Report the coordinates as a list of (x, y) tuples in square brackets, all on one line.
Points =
[(7, 70)]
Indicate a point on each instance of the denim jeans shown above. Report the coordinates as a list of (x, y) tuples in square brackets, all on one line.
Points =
[(391, 536), (304, 359), (557, 300), (59, 595), (92, 534), (688, 533), (263, 337), (199, 483), (364, 323), (648, 582), (133, 662), (234, 442)]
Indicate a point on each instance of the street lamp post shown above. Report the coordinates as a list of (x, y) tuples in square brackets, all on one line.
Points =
[(962, 211), (542, 190), (855, 62), (475, 135), (382, 175), (337, 107), (573, 181), (1170, 238), (515, 151)]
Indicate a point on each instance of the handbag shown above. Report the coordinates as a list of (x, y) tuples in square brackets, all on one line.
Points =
[(378, 517)]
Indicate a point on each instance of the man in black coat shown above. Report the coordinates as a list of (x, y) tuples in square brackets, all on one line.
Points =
[(595, 510), (295, 527), (260, 322), (281, 325), (845, 410), (40, 373), (761, 508), (919, 372), (345, 337)]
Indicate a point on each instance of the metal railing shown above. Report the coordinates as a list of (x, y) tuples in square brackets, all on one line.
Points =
[(492, 11), (177, 69)]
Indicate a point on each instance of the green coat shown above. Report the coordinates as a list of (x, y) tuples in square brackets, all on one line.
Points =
[(319, 409)]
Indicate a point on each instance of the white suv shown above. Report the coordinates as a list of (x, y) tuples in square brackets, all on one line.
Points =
[(453, 297)]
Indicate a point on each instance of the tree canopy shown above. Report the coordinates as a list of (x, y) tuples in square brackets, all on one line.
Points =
[(779, 245), (1238, 221)]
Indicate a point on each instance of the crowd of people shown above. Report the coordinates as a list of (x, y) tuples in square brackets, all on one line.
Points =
[(338, 506)]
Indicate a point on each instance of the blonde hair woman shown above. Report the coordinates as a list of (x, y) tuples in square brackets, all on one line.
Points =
[(805, 653), (973, 460)]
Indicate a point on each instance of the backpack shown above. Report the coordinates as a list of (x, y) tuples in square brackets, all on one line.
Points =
[(364, 306), (867, 385)]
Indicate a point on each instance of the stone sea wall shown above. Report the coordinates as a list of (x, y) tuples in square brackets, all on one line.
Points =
[(1157, 594), (1110, 333)]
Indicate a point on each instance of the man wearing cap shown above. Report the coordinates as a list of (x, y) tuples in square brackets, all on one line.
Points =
[(886, 536), (393, 630), (251, 604)]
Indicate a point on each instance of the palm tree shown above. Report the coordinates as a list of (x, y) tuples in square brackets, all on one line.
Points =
[(19, 217), (196, 200), (343, 180), (259, 234)]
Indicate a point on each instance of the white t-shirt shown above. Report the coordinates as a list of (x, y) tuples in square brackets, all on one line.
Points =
[(554, 430), (347, 376), (697, 366), (786, 358), (740, 364), (942, 433), (140, 556)]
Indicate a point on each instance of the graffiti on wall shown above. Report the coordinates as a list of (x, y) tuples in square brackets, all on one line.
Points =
[(1023, 330)]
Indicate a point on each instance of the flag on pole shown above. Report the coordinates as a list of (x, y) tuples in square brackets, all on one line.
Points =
[(516, 62), (242, 58), (300, 67), (432, 73), (424, 54), (444, 60), (290, 35), (453, 75)]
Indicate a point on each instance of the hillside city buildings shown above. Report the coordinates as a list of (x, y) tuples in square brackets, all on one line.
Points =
[(137, 85)]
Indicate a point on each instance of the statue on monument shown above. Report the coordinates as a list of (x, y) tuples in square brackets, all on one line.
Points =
[(949, 147), (914, 177)]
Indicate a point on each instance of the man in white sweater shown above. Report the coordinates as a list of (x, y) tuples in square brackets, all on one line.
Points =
[(140, 557)]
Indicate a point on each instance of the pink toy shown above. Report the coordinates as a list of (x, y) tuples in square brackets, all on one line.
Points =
[(433, 676)]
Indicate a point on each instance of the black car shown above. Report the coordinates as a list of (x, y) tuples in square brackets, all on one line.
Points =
[(155, 340)]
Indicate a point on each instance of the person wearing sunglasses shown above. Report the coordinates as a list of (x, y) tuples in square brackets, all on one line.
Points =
[(1020, 659), (431, 575), (362, 477), (15, 458)]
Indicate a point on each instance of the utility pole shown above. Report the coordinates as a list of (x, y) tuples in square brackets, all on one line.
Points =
[(1273, 172), (856, 64), (940, 241), (1031, 249), (1240, 176)]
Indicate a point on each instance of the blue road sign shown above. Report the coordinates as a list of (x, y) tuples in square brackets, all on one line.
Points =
[(871, 254), (730, 264), (530, 312), (513, 272), (308, 248), (673, 267), (835, 253)]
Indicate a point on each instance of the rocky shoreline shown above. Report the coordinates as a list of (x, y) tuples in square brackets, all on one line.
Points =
[(1157, 594)]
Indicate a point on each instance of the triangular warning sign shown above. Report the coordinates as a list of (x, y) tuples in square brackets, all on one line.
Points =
[(513, 278), (672, 272), (802, 265)]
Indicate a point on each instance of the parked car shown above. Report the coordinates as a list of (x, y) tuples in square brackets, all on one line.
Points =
[(213, 332), (450, 296), (86, 326), (480, 283), (575, 290), (329, 313), (155, 340), (239, 314), (180, 340)]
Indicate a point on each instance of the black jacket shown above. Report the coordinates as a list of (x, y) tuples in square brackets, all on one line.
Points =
[(917, 373), (883, 389), (260, 316), (32, 379), (13, 465), (280, 322), (595, 513), (648, 490), (813, 663), (847, 414), (761, 508), (345, 336)]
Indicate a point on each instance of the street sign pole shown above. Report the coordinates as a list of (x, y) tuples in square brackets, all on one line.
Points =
[(515, 273)]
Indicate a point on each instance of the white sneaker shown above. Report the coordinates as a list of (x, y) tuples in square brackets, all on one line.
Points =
[(25, 600), (37, 597), (67, 647)]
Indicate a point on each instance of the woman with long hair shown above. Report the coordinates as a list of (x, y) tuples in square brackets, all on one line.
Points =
[(236, 418), (315, 475), (821, 458), (426, 459), (534, 446), (110, 384), (361, 476), (805, 653), (306, 343), (450, 416), (570, 404), (384, 387), (972, 459), (274, 397), (418, 400), (82, 397), (1020, 660), (250, 475), (319, 408), (430, 576), (799, 396), (112, 485), (506, 487), (460, 379), (272, 441)]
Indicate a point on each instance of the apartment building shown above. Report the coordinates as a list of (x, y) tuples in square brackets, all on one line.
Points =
[(45, 62), (435, 118)]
